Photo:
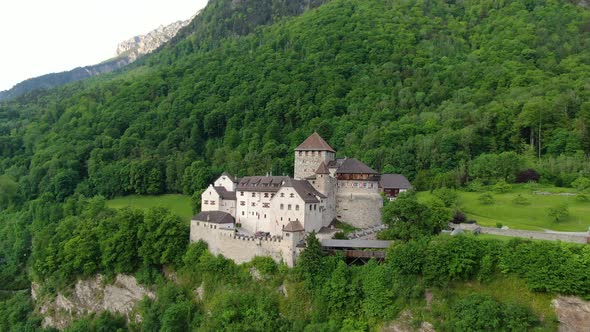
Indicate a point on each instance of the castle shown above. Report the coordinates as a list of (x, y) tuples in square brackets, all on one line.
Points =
[(273, 213)]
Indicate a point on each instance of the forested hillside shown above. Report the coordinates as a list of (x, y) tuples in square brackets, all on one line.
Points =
[(443, 92)]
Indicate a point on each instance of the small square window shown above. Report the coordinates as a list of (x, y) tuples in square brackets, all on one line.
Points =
[(292, 195), (297, 207), (282, 206), (289, 207), (253, 194)]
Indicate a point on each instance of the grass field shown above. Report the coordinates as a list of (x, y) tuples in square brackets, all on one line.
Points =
[(533, 216), (179, 204)]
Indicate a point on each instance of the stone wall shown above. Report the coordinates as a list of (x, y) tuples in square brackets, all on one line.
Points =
[(307, 162), (361, 210), (241, 248)]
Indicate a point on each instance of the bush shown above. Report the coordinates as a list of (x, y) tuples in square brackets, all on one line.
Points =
[(559, 213), (499, 225), (581, 198), (486, 199), (447, 196), (502, 187), (477, 312), (475, 186), (527, 175), (581, 184), (520, 200)]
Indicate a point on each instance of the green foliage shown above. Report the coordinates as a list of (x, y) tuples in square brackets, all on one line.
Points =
[(558, 213), (163, 237), (581, 184), (447, 196), (521, 200), (409, 219), (16, 314), (501, 187), (486, 198), (483, 313)]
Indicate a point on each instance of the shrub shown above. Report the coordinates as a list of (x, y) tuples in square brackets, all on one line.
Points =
[(475, 186), (581, 183), (499, 225), (527, 175), (559, 212), (502, 187), (486, 199), (520, 200), (581, 198), (447, 196)]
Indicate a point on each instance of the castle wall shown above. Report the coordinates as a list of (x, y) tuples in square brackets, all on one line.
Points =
[(307, 162), (359, 209), (241, 248), (326, 184), (253, 210)]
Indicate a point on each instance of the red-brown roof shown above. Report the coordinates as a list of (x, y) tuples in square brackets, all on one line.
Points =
[(353, 166), (314, 143), (322, 169)]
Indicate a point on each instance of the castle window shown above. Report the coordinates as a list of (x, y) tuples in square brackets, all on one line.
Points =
[(306, 152), (265, 195), (356, 184), (282, 207), (253, 194), (206, 202), (313, 153), (241, 193), (242, 203), (243, 213), (265, 205), (300, 153), (272, 195), (289, 207), (212, 203), (310, 207), (292, 195), (282, 194), (253, 204), (265, 216), (297, 207)]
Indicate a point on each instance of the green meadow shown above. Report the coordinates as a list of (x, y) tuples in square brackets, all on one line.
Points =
[(179, 204), (531, 216)]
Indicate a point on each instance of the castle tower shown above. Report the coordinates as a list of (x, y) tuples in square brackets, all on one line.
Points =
[(310, 154)]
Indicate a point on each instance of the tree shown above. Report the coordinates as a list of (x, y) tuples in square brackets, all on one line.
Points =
[(163, 237), (558, 213)]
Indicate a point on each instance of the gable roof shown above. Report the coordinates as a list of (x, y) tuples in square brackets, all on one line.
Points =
[(314, 143), (293, 226), (322, 169), (395, 181), (224, 193), (261, 183), (216, 217), (353, 166), (305, 190), (230, 177)]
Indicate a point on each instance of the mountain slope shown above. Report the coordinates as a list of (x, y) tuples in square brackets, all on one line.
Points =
[(127, 52), (405, 87)]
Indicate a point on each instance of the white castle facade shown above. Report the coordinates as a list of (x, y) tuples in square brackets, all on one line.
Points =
[(270, 215)]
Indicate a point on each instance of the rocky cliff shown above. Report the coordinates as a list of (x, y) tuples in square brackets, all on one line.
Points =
[(127, 52), (140, 45), (91, 296)]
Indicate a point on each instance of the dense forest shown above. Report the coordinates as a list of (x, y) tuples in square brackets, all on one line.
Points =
[(445, 92)]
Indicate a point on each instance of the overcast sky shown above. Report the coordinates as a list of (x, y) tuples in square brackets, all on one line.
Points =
[(44, 36)]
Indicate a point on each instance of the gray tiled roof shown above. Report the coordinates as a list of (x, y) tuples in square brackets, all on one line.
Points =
[(216, 217), (395, 181), (261, 183), (353, 166), (224, 193), (306, 191)]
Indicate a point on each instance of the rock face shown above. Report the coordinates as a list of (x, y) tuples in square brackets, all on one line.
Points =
[(140, 45), (127, 52), (573, 313), (92, 296)]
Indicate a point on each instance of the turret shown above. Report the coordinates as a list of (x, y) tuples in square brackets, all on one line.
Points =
[(310, 154)]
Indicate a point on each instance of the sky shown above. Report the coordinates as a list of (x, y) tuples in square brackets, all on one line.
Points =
[(44, 36)]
